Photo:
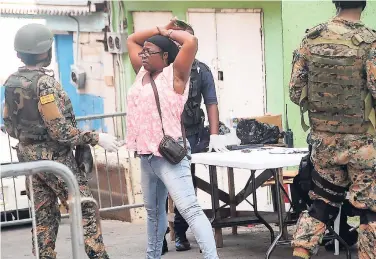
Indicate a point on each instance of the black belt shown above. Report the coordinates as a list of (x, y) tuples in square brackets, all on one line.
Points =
[(337, 194), (141, 155)]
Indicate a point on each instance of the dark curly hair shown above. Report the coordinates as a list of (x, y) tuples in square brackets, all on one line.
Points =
[(350, 4)]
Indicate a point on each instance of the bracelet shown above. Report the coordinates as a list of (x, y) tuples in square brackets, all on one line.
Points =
[(159, 30), (169, 33)]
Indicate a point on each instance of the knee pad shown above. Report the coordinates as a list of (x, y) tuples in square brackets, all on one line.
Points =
[(367, 216), (323, 211)]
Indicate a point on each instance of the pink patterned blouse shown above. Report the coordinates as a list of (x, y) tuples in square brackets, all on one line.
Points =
[(144, 129)]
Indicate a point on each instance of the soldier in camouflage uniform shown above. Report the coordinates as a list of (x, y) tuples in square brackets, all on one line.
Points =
[(39, 113), (334, 79)]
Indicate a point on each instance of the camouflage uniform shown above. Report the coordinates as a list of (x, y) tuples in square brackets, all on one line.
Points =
[(334, 79), (39, 113)]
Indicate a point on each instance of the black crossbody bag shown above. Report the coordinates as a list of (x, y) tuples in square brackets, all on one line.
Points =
[(169, 148)]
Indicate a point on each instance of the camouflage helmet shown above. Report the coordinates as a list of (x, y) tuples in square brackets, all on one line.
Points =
[(33, 39)]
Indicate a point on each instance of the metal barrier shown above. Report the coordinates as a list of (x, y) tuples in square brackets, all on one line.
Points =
[(30, 168), (116, 120), (107, 181)]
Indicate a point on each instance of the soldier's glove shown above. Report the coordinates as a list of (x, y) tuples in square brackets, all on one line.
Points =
[(108, 142), (217, 142)]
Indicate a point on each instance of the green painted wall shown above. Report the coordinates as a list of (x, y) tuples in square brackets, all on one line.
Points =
[(272, 30), (297, 16), (284, 26)]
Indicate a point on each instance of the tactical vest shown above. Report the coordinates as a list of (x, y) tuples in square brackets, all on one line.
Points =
[(193, 115), (336, 97), (21, 96)]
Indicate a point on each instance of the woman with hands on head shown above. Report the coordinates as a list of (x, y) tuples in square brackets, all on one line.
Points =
[(155, 57)]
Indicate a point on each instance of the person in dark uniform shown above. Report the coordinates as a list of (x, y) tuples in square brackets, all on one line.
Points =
[(201, 86)]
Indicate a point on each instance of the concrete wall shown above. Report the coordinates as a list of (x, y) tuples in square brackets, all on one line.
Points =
[(98, 66), (297, 16)]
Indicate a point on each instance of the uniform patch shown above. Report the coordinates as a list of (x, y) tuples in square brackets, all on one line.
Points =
[(49, 98), (50, 111), (5, 112)]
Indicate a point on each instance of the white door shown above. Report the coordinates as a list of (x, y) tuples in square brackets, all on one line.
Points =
[(147, 20), (230, 43)]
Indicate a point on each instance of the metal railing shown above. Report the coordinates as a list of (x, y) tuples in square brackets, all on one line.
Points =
[(108, 181), (29, 169)]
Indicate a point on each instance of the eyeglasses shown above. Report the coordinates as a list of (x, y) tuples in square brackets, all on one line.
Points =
[(147, 53)]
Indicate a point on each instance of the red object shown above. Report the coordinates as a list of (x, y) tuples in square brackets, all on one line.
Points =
[(286, 187)]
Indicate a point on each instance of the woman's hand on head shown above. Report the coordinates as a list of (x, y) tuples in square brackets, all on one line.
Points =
[(163, 31), (171, 26), (136, 41)]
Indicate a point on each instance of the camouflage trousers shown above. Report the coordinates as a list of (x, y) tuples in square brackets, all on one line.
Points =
[(47, 189), (342, 159)]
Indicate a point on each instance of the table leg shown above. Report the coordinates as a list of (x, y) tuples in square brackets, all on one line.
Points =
[(254, 195), (280, 214), (231, 191), (343, 242), (281, 197), (215, 204)]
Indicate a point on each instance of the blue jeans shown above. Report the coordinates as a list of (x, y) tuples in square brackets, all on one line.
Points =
[(159, 177), (180, 225)]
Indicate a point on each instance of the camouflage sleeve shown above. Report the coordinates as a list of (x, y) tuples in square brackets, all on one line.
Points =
[(299, 74), (371, 70), (7, 122), (51, 107)]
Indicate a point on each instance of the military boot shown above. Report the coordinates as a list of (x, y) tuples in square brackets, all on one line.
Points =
[(301, 253)]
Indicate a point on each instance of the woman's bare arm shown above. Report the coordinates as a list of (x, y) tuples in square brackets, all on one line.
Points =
[(135, 43), (183, 62)]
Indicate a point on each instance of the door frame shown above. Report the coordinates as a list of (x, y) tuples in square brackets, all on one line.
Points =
[(262, 34)]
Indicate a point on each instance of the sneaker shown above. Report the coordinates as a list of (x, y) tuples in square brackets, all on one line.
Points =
[(182, 244)]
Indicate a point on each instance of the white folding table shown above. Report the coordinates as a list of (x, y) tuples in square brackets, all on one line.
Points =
[(267, 159)]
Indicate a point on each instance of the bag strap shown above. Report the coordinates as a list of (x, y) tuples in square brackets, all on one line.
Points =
[(156, 95)]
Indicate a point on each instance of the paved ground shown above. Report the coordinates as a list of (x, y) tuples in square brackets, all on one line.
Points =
[(126, 240)]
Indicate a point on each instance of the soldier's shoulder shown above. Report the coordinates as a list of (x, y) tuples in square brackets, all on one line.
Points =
[(46, 82), (368, 34), (370, 30), (10, 77), (315, 31), (14, 74)]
